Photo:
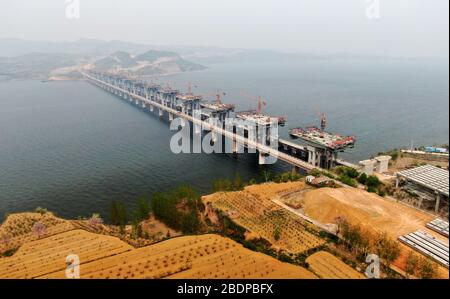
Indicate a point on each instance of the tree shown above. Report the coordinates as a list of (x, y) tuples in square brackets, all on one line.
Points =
[(347, 180), (238, 184), (41, 211), (387, 248), (362, 178), (340, 222), (95, 220), (427, 269), (118, 214), (372, 181), (114, 213), (412, 263), (267, 175), (143, 209), (190, 222), (122, 216), (178, 209), (277, 232), (352, 173), (39, 229)]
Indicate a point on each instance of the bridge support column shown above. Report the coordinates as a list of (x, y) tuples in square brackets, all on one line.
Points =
[(311, 155), (213, 136), (143, 104), (234, 146), (161, 112), (170, 116), (295, 169), (438, 201), (151, 108)]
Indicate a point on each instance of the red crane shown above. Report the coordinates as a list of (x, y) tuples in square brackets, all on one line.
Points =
[(259, 99), (218, 95), (323, 120)]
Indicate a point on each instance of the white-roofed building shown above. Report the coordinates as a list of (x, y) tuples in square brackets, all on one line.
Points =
[(427, 182)]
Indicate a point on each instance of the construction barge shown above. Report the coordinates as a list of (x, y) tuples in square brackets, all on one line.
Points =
[(316, 136)]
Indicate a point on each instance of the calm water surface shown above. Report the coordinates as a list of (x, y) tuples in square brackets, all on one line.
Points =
[(72, 148)]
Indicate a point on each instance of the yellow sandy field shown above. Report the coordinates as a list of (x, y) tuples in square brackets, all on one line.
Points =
[(47, 255), (372, 212), (327, 266), (254, 210), (204, 256)]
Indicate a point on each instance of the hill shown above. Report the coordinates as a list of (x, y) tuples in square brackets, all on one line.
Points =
[(149, 63)]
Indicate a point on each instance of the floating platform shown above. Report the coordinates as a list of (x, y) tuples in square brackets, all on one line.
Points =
[(322, 138)]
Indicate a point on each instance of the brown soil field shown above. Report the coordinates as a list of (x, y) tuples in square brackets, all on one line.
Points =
[(47, 255), (203, 256), (17, 228), (254, 210), (327, 266), (370, 211)]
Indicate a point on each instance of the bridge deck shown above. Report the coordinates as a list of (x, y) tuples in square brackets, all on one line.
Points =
[(240, 139)]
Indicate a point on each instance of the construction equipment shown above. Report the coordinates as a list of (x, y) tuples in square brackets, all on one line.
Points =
[(259, 99), (323, 120), (190, 87), (218, 96)]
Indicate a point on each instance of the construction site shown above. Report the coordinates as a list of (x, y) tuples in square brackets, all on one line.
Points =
[(256, 129)]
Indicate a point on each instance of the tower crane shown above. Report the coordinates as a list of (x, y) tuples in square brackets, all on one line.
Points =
[(259, 99), (323, 120)]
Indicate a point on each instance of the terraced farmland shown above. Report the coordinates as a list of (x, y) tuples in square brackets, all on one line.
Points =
[(326, 265), (47, 255), (17, 228), (262, 217), (204, 256)]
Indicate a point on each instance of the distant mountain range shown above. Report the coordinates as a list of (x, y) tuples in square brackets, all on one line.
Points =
[(150, 63), (58, 61)]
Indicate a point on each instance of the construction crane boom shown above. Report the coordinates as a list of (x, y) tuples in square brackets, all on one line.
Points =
[(259, 99)]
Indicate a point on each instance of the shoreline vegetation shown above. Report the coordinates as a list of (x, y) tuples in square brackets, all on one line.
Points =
[(248, 214)]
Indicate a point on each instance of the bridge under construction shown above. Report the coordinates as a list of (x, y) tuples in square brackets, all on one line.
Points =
[(172, 103)]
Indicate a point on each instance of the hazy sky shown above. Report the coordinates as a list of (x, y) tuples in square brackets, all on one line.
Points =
[(404, 28)]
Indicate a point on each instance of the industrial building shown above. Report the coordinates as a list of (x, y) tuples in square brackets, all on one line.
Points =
[(428, 183)]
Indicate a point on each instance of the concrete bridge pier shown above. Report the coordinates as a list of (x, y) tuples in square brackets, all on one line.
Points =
[(161, 112), (151, 108), (234, 146), (170, 116), (311, 155)]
